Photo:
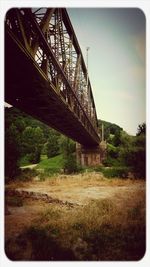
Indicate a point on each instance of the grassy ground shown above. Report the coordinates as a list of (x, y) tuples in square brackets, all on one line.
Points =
[(51, 165), (107, 224), (54, 163)]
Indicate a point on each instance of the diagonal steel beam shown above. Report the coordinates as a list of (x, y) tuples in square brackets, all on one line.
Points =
[(57, 65), (44, 26)]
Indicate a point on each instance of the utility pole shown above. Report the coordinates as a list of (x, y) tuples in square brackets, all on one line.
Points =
[(87, 49), (88, 93), (102, 132)]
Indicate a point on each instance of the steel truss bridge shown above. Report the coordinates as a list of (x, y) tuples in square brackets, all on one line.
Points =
[(45, 73)]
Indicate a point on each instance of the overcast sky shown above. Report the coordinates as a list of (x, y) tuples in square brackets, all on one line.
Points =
[(116, 37)]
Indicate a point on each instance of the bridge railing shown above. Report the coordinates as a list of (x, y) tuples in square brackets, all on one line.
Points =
[(48, 36)]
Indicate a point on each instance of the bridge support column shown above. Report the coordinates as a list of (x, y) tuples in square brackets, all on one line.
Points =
[(92, 156)]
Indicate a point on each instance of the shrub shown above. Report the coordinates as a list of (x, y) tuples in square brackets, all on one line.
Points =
[(27, 174), (69, 159), (109, 162), (121, 172), (69, 164), (135, 158), (12, 151), (52, 146)]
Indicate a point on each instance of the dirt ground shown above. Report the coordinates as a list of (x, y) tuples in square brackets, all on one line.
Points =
[(76, 190)]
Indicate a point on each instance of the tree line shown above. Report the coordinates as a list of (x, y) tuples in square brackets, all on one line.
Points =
[(126, 150), (26, 139)]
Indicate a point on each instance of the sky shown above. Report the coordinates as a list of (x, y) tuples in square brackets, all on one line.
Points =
[(116, 61)]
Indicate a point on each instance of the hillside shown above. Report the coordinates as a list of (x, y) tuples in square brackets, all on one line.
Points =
[(13, 115), (109, 128)]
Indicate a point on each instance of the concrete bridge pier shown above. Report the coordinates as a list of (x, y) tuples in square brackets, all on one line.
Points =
[(91, 156)]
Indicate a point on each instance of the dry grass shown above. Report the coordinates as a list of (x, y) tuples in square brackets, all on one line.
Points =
[(101, 230), (109, 228), (84, 179)]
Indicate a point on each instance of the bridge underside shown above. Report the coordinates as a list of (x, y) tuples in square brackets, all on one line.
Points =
[(27, 88)]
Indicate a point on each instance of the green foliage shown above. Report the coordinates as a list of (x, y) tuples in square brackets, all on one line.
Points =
[(12, 151), (141, 129), (26, 138), (27, 174), (133, 154), (112, 158), (52, 145), (69, 159), (117, 138), (112, 151), (128, 151), (69, 164), (135, 157), (120, 172), (109, 128), (109, 162), (24, 161), (32, 139), (67, 146)]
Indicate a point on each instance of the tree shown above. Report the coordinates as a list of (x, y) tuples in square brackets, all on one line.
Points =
[(109, 128), (52, 145), (141, 129), (117, 138), (69, 160), (32, 139), (133, 152), (12, 151)]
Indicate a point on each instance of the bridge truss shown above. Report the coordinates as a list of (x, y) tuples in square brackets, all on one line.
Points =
[(45, 73)]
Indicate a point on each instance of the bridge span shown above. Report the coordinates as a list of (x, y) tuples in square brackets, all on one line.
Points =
[(46, 77)]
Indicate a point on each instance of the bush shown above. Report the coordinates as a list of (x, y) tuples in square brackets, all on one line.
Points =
[(25, 160), (69, 159), (35, 157), (52, 146), (27, 174), (121, 172), (135, 158), (12, 151), (69, 164), (109, 162)]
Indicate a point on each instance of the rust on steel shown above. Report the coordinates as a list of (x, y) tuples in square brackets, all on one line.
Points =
[(45, 73)]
